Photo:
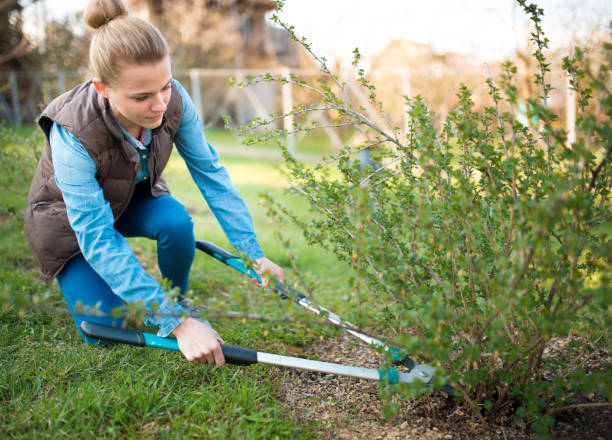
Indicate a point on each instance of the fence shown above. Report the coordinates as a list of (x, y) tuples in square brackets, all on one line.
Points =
[(22, 95), (25, 93)]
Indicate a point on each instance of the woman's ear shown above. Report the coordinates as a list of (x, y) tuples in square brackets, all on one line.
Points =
[(100, 88)]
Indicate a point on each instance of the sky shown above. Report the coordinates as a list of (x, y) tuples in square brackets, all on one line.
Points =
[(489, 30)]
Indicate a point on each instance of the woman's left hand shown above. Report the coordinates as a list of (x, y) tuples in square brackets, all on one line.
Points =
[(263, 265)]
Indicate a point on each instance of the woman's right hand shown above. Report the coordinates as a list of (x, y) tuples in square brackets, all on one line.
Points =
[(199, 343)]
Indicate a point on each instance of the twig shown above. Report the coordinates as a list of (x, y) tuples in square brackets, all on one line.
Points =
[(496, 101), (596, 171), (341, 86), (253, 316), (603, 216), (230, 314), (365, 180), (291, 113), (314, 199), (457, 386), (379, 275), (356, 149), (577, 406), (526, 264)]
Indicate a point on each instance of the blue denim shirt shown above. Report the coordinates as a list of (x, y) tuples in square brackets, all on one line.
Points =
[(90, 215)]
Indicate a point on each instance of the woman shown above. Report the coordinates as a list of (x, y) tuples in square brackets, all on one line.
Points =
[(99, 180)]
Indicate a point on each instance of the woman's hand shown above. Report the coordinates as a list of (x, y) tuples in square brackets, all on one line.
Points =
[(199, 343), (262, 265)]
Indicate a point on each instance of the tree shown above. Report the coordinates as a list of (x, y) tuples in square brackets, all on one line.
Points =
[(15, 44)]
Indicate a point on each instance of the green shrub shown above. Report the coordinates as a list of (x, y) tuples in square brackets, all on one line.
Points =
[(19, 154), (482, 238)]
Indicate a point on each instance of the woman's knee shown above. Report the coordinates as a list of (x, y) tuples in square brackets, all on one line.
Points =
[(177, 229)]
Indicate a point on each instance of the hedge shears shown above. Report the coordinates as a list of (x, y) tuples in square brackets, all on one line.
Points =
[(423, 371), (246, 356)]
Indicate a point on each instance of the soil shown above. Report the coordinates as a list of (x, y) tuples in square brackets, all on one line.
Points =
[(349, 408)]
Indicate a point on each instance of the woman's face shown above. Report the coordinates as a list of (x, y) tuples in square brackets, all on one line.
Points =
[(141, 95)]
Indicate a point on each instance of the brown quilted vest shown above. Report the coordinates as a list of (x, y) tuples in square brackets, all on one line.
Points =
[(86, 114)]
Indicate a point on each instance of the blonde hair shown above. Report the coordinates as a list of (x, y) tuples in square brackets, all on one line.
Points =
[(120, 39)]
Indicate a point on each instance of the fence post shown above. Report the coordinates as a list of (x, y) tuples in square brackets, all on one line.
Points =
[(287, 108), (196, 92), (15, 98), (61, 81)]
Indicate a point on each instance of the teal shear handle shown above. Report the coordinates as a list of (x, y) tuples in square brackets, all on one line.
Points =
[(225, 257), (233, 354)]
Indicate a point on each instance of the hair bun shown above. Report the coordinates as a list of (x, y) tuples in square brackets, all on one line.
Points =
[(99, 12)]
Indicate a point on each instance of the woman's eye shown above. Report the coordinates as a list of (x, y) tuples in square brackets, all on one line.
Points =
[(140, 98)]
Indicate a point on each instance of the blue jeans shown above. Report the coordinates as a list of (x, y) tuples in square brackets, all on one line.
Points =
[(163, 219)]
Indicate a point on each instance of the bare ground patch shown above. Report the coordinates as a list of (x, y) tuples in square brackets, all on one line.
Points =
[(348, 408)]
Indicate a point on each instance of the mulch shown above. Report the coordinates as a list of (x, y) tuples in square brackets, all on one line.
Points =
[(349, 408)]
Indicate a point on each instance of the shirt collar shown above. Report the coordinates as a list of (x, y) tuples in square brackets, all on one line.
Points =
[(136, 143)]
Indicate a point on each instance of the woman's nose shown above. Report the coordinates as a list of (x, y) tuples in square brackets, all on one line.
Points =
[(159, 103)]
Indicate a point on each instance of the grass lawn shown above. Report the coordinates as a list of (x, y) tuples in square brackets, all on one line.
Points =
[(315, 143), (52, 384)]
